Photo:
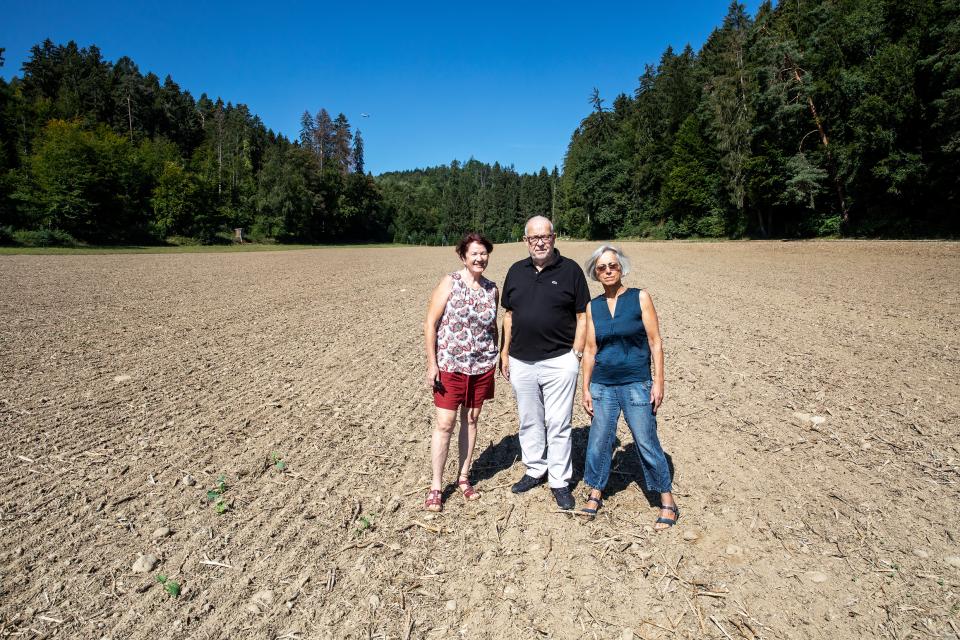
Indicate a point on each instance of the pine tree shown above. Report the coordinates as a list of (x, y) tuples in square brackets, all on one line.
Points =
[(323, 137), (729, 97), (342, 139), (357, 155), (308, 132)]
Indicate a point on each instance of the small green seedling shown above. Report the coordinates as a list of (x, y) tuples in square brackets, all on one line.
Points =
[(278, 462), (170, 586), (216, 494), (365, 523)]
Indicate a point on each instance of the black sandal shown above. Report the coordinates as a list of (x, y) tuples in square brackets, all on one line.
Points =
[(592, 513), (667, 521)]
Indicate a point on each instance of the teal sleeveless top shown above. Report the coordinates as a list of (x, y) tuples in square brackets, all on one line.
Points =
[(623, 354)]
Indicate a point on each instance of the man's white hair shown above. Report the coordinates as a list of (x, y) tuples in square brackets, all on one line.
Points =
[(526, 227)]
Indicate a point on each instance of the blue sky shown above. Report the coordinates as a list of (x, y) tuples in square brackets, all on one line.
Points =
[(503, 82)]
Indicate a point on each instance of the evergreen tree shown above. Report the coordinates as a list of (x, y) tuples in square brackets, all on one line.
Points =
[(323, 137), (729, 97), (357, 154), (341, 144), (308, 132)]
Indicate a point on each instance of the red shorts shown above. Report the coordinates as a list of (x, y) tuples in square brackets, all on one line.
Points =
[(456, 389)]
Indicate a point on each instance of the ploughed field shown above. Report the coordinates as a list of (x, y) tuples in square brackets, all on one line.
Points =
[(255, 426)]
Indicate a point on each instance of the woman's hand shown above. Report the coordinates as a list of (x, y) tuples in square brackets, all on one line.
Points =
[(587, 401), (433, 373), (656, 396)]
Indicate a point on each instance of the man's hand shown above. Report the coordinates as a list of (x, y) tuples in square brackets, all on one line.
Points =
[(505, 366)]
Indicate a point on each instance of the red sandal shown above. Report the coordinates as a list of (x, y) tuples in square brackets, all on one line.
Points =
[(433, 502), (469, 494)]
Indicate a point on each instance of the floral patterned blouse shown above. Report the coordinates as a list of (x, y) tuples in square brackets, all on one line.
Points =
[(467, 333)]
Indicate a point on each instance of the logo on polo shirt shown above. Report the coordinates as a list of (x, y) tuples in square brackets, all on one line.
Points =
[(553, 282)]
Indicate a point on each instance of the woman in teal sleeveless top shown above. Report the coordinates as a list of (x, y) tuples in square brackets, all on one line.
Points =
[(623, 341)]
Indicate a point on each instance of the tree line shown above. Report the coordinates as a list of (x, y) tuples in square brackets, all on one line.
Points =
[(811, 118), (437, 205), (816, 117), (99, 152)]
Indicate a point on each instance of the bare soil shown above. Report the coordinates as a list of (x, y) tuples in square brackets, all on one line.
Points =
[(811, 418)]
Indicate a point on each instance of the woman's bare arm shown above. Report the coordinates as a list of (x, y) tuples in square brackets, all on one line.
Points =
[(652, 326), (438, 302)]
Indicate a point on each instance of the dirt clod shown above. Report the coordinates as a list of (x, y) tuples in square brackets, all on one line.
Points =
[(144, 563), (261, 601)]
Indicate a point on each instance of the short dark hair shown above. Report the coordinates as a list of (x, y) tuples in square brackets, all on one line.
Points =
[(469, 239)]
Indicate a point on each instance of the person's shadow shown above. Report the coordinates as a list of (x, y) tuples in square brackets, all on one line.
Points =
[(624, 469), (496, 458)]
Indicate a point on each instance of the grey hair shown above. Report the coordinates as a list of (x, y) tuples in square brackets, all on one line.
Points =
[(590, 266), (538, 218)]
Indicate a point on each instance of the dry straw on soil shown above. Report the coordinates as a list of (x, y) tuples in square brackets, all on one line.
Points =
[(811, 418)]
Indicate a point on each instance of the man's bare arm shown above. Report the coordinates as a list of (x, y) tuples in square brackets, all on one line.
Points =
[(580, 337), (505, 343)]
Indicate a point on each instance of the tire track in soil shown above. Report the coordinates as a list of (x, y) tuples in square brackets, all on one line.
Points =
[(214, 342)]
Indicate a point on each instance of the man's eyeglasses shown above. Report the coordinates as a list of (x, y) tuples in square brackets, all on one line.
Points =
[(539, 239), (613, 266)]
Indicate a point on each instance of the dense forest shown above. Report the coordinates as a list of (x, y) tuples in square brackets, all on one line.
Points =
[(812, 118), (101, 153), (436, 205)]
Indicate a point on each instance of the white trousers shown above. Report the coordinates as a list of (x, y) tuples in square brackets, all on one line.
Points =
[(544, 391)]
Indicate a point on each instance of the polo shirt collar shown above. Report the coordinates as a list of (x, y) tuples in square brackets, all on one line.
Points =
[(553, 263)]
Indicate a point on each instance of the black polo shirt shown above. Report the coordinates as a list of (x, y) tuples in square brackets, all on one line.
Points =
[(544, 305)]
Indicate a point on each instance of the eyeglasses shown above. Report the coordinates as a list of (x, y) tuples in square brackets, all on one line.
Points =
[(613, 266), (539, 239)]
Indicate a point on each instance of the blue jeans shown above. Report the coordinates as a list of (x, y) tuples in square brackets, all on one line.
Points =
[(633, 399)]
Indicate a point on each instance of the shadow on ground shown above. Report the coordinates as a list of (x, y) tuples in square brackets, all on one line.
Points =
[(625, 469)]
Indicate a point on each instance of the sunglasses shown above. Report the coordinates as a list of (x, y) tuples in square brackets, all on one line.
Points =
[(613, 266)]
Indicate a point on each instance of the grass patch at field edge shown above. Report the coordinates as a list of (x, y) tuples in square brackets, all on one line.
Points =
[(214, 248)]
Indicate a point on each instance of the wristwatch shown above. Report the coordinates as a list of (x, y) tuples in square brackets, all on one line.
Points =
[(579, 354)]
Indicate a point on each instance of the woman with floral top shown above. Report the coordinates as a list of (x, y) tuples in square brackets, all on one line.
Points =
[(461, 343)]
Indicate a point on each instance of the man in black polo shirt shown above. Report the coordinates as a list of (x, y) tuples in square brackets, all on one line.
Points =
[(544, 330)]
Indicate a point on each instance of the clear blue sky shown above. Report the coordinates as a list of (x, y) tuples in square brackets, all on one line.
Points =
[(503, 82)]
